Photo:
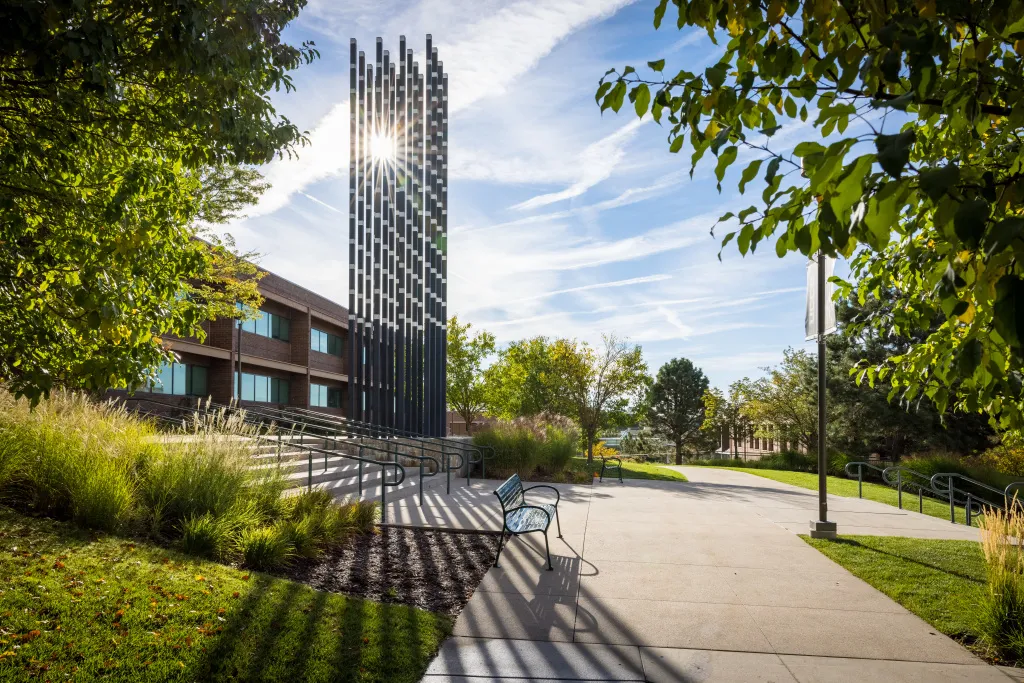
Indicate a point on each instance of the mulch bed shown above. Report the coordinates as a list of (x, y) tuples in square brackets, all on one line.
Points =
[(431, 569)]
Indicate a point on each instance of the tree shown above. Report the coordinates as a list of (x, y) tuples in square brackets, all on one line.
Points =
[(784, 403), (124, 126), (926, 199), (466, 353), (724, 415), (517, 383), (676, 409), (591, 386)]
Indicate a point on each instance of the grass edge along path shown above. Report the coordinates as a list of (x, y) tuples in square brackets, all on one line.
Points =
[(847, 488), (630, 470), (89, 606), (941, 581)]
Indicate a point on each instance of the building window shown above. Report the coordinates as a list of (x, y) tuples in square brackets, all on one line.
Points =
[(179, 379), (323, 396), (324, 342), (269, 325), (263, 389)]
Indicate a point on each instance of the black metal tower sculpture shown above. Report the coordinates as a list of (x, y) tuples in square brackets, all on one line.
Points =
[(398, 227)]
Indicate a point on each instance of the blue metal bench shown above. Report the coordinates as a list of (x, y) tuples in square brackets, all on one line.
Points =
[(520, 518)]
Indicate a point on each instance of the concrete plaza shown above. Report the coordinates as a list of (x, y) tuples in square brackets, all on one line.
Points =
[(698, 581)]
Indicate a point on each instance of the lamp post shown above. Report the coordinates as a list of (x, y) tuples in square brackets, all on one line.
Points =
[(821, 528)]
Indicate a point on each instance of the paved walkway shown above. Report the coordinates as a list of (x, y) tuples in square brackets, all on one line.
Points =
[(699, 581)]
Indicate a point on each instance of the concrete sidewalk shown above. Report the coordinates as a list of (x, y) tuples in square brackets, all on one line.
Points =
[(700, 581)]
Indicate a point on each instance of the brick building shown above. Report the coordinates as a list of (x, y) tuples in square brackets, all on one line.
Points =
[(294, 353)]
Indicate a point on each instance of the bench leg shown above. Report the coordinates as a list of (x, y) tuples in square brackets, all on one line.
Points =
[(620, 474), (558, 522), (547, 550), (501, 541), (601, 478)]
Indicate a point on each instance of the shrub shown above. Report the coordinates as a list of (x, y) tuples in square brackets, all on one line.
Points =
[(1002, 618), (72, 459), (265, 547), (559, 449), (528, 446), (107, 469), (205, 535), (209, 472)]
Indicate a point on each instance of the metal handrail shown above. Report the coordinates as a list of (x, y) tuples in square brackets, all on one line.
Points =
[(383, 464), (333, 438), (898, 481), (329, 422), (970, 498), (404, 434)]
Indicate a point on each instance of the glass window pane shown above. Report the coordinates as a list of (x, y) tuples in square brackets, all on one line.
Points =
[(334, 344), (283, 388), (162, 383), (314, 340), (178, 379), (248, 386), (262, 389), (312, 395), (249, 326), (198, 376), (284, 329), (334, 398)]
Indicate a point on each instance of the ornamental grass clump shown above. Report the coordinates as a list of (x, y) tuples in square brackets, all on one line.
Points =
[(197, 487), (73, 459), (1002, 616)]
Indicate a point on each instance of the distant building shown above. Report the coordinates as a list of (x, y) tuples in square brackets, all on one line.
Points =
[(747, 444)]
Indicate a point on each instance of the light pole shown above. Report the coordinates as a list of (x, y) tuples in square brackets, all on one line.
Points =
[(822, 528)]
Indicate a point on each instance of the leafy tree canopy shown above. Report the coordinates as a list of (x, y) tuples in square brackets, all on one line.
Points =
[(676, 404), (910, 163), (466, 391), (122, 128), (517, 383), (592, 386)]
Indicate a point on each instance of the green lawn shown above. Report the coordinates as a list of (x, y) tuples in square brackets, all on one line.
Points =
[(943, 582), (840, 486), (632, 470), (80, 606)]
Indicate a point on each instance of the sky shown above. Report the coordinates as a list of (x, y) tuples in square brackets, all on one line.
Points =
[(562, 221)]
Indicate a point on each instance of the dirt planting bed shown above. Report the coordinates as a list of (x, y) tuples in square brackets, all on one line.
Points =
[(430, 569)]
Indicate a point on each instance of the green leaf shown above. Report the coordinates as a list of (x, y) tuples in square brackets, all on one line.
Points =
[(935, 182), (894, 151), (659, 12), (715, 75), (1008, 312), (657, 65), (807, 148), (1002, 235), (677, 144), (969, 221), (749, 173), (727, 156), (850, 187), (642, 99)]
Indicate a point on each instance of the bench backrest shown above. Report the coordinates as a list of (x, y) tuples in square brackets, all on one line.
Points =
[(510, 493)]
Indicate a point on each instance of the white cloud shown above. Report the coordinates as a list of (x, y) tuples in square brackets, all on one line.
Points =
[(596, 164), (487, 47)]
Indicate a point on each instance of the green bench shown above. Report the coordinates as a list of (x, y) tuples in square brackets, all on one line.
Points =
[(521, 518)]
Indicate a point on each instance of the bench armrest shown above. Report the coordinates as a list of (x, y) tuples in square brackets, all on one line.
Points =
[(528, 507), (558, 496), (605, 460)]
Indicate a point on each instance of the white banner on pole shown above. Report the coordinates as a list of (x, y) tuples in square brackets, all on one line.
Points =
[(811, 312)]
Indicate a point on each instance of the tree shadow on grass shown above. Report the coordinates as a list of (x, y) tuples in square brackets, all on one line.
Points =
[(284, 631)]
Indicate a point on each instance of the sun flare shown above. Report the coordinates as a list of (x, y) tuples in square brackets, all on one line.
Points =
[(382, 147)]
